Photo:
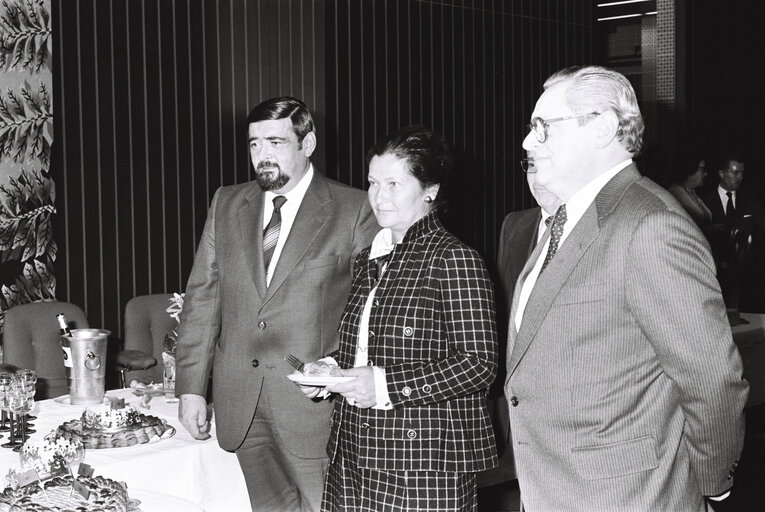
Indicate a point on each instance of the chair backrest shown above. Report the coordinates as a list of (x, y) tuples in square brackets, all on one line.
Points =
[(146, 323), (31, 340)]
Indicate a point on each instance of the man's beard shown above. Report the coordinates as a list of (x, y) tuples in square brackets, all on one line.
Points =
[(270, 180)]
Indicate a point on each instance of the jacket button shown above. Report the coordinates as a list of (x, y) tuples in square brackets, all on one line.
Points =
[(406, 391), (514, 401), (255, 363), (377, 302), (371, 334), (426, 388), (261, 325), (411, 434), (365, 426), (408, 331)]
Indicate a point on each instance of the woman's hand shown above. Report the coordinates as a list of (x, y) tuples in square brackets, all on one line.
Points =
[(361, 390)]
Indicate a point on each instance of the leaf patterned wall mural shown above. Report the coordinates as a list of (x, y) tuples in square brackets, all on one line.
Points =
[(27, 249)]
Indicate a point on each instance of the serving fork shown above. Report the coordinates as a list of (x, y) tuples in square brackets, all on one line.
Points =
[(295, 362)]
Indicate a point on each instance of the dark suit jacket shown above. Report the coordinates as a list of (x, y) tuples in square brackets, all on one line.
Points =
[(432, 330), (231, 323), (625, 381), (745, 205), (516, 241)]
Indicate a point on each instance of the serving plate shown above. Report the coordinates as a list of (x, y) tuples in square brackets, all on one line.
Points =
[(317, 380)]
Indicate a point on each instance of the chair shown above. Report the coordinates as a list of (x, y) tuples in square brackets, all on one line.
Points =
[(31, 340), (146, 323)]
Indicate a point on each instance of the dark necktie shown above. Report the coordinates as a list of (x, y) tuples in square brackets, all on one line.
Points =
[(555, 235), (271, 233), (730, 210)]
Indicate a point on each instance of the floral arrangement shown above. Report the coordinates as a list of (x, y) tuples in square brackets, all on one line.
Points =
[(174, 310)]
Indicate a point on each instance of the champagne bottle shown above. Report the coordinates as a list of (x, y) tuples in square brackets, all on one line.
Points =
[(64, 331)]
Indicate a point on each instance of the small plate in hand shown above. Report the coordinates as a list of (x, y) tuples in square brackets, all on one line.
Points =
[(317, 380)]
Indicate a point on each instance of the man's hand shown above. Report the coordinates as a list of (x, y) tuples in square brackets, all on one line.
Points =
[(361, 390), (192, 413), (310, 391)]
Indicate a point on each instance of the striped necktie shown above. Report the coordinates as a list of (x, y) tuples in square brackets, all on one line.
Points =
[(555, 235), (271, 233)]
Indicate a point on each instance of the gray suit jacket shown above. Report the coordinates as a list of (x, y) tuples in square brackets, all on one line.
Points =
[(625, 381), (235, 326)]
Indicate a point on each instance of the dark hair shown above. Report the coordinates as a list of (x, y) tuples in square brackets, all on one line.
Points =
[(428, 156), (282, 108), (727, 158)]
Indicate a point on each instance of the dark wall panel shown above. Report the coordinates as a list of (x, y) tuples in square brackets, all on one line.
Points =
[(150, 106), (151, 99), (470, 70)]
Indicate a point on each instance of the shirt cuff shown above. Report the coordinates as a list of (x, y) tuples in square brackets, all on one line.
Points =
[(719, 497), (381, 390)]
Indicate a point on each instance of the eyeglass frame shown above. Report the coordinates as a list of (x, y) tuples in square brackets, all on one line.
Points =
[(547, 122)]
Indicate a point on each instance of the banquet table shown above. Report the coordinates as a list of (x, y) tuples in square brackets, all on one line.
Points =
[(750, 340), (177, 473)]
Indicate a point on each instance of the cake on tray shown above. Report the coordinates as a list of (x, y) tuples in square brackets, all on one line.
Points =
[(112, 428), (105, 495)]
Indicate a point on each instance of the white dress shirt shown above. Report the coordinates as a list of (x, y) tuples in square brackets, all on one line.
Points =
[(289, 211), (575, 208), (724, 196)]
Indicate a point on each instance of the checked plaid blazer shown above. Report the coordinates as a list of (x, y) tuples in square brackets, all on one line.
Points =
[(432, 328)]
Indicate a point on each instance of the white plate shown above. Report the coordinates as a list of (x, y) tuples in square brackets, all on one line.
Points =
[(65, 400), (316, 380)]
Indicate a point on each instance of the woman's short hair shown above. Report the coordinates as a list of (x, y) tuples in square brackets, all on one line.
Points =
[(428, 156), (598, 89), (282, 108)]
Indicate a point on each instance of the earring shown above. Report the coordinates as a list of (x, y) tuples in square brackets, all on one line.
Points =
[(428, 199)]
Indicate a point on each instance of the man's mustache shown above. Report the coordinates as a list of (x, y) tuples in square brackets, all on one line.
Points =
[(267, 165)]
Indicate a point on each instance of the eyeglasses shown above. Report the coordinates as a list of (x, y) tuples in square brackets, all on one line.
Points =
[(539, 126), (528, 166)]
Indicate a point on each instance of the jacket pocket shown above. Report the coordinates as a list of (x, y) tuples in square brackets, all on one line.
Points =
[(617, 459), (326, 261), (581, 294)]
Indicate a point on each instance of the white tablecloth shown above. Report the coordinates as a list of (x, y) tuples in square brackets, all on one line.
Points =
[(179, 473)]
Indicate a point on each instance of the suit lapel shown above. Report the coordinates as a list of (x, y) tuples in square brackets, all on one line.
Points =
[(549, 284), (312, 216), (250, 225)]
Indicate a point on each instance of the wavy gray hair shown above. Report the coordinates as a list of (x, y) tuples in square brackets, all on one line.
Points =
[(598, 89)]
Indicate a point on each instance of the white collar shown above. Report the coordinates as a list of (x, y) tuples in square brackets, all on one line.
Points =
[(583, 198), (382, 244), (294, 196)]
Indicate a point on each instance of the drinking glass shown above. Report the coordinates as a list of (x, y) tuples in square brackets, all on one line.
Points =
[(5, 381), (30, 382), (7, 385), (21, 404)]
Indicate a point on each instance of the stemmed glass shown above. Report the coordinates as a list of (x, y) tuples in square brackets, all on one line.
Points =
[(30, 382), (21, 404), (7, 380)]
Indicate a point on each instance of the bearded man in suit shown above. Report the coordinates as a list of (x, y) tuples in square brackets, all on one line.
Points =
[(624, 383), (270, 277)]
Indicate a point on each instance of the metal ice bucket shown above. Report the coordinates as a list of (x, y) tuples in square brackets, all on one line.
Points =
[(86, 377)]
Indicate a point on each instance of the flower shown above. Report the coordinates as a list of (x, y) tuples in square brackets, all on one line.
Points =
[(174, 309), (176, 306)]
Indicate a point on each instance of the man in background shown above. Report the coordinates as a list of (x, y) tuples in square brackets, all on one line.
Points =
[(270, 277), (737, 237), (521, 231), (624, 384)]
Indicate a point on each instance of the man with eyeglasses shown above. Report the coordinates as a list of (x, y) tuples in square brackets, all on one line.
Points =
[(624, 384), (736, 236)]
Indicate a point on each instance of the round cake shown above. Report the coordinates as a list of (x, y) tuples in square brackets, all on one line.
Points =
[(113, 428), (49, 453), (105, 496)]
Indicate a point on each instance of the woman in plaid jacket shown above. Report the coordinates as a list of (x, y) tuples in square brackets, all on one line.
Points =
[(411, 430)]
